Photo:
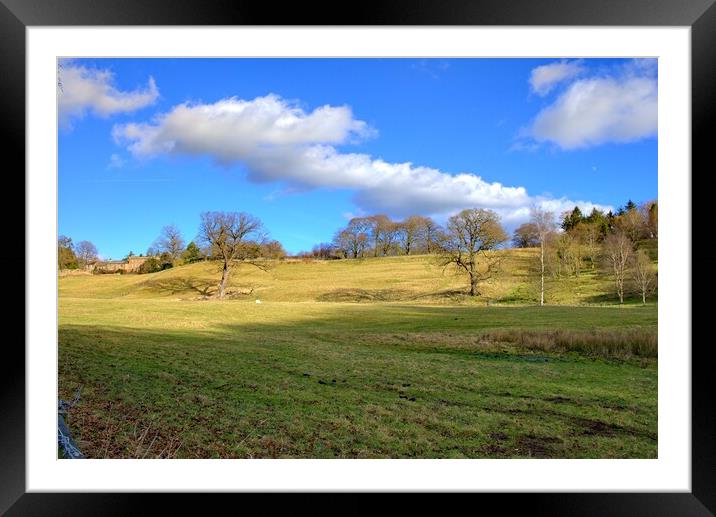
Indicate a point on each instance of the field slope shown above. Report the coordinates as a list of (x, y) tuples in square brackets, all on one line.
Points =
[(381, 358)]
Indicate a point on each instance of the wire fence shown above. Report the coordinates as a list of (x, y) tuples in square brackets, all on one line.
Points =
[(64, 438)]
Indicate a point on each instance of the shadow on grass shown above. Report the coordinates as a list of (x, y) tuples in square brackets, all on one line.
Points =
[(356, 295), (180, 285), (319, 388), (613, 299)]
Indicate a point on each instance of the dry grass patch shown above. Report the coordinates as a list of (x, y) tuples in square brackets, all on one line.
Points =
[(619, 343)]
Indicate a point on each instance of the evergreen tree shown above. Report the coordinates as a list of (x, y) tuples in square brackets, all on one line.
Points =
[(192, 253), (572, 219), (66, 258), (599, 220)]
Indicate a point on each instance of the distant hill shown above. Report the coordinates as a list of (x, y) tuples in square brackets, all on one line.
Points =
[(412, 279)]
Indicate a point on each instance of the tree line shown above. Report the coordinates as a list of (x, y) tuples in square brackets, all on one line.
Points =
[(379, 235), (467, 243), (228, 238), (622, 244)]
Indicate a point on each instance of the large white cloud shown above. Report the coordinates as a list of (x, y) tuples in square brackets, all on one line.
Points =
[(233, 129), (599, 110), (277, 141), (81, 90), (544, 78)]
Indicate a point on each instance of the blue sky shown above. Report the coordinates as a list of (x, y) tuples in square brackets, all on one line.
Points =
[(304, 144)]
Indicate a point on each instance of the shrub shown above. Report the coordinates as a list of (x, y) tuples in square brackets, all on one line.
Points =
[(151, 265)]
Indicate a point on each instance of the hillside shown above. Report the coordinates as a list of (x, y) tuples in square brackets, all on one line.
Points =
[(420, 371), (413, 279)]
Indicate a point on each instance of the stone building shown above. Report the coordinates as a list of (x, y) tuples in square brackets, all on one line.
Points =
[(128, 265)]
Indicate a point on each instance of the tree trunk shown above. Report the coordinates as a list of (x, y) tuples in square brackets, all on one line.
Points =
[(541, 293), (643, 297), (473, 285), (224, 280)]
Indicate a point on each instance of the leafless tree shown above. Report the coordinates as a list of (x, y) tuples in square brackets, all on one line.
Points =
[(170, 241), (650, 214), (86, 252), (432, 233), (471, 235), (383, 233), (412, 232), (324, 250), (273, 250), (233, 238), (618, 250), (643, 274), (353, 239), (544, 225), (571, 252), (344, 243), (589, 236), (632, 223), (525, 236)]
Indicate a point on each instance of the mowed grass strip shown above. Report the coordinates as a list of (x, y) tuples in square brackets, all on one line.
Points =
[(234, 379)]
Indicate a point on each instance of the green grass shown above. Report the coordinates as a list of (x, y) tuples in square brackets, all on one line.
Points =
[(422, 375)]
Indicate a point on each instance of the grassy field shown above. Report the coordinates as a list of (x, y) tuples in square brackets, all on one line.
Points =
[(355, 359)]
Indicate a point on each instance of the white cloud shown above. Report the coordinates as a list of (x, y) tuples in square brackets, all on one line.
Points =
[(432, 67), (233, 129), (116, 162), (544, 78), (279, 142), (619, 105), (599, 110), (83, 90)]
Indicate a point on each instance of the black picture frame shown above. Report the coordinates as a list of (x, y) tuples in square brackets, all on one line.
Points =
[(700, 15)]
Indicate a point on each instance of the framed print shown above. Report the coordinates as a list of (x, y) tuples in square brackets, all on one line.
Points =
[(414, 249)]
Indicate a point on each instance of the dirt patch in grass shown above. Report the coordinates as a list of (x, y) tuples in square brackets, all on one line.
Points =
[(495, 450), (498, 436), (536, 446), (581, 426), (115, 430)]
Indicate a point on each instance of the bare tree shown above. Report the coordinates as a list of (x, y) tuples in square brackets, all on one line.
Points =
[(170, 241), (390, 236), (643, 274), (650, 214), (618, 250), (273, 250), (353, 239), (343, 241), (525, 236), (383, 233), (86, 252), (232, 237), (633, 223), (471, 234), (571, 252), (589, 235), (412, 232), (324, 250), (544, 225), (432, 233)]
